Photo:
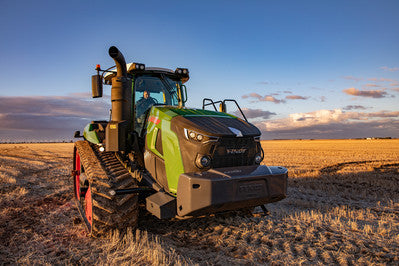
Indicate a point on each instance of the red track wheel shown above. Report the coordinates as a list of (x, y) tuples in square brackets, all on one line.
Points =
[(82, 191)]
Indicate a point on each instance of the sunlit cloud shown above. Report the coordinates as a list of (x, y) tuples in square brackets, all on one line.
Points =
[(381, 80), (390, 69), (266, 98), (48, 117), (366, 93), (271, 98), (252, 95), (352, 78), (332, 124), (371, 85), (354, 107), (296, 97)]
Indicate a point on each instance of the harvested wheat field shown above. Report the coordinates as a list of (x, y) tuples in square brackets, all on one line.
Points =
[(342, 208)]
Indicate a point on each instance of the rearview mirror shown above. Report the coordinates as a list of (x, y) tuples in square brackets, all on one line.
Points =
[(184, 96), (96, 86)]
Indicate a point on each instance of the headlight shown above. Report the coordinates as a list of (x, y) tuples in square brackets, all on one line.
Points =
[(203, 161), (195, 136), (258, 158), (136, 66), (182, 71)]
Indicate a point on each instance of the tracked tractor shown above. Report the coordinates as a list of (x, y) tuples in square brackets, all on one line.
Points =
[(174, 161)]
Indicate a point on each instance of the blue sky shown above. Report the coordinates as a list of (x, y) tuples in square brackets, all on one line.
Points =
[(318, 69)]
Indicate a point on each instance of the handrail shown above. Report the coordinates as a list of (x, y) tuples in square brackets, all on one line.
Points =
[(211, 102), (239, 108)]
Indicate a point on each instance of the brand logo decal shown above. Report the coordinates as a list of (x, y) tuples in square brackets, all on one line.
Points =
[(236, 131), (250, 189), (236, 151), (154, 120)]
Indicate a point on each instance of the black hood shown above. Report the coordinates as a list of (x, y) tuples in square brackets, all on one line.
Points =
[(217, 126)]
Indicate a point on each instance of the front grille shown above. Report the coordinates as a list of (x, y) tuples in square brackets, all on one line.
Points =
[(231, 152)]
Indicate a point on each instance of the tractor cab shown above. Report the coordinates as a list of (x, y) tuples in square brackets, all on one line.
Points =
[(153, 86), (154, 89)]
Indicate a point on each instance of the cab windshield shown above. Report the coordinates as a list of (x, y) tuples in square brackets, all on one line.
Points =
[(160, 88), (154, 89)]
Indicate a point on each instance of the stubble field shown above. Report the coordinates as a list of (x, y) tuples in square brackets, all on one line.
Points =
[(342, 208)]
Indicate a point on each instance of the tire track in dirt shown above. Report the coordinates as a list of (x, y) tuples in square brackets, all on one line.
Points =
[(336, 167)]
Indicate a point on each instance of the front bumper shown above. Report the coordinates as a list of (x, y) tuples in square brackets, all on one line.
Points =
[(232, 188)]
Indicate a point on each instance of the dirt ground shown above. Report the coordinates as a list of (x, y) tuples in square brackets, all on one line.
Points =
[(342, 208)]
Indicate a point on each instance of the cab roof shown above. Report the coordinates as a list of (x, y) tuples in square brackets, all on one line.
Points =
[(109, 75)]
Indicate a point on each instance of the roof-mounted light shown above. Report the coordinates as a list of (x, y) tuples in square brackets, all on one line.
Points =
[(182, 71), (136, 66)]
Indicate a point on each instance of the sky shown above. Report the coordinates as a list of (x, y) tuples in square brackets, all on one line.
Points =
[(299, 69)]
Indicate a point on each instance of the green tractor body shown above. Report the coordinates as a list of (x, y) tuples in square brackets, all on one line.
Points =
[(187, 162)]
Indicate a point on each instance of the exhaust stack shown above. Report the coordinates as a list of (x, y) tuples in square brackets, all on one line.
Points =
[(121, 98)]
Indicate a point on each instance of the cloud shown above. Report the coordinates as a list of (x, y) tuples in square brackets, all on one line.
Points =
[(382, 80), (352, 78), (47, 117), (371, 85), (266, 98), (332, 124), (255, 113), (394, 114), (364, 93), (252, 95), (354, 107), (296, 97), (271, 98), (390, 69), (264, 82), (322, 98)]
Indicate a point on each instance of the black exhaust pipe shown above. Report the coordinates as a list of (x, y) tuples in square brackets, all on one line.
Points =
[(119, 61), (121, 98)]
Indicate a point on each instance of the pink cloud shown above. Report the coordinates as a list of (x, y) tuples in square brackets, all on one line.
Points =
[(296, 97), (332, 124), (364, 93), (266, 98), (382, 80), (352, 78), (371, 85), (390, 69)]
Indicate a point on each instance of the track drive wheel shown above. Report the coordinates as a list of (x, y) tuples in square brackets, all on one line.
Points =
[(95, 174)]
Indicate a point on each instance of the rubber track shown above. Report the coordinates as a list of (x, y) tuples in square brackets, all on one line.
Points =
[(105, 172)]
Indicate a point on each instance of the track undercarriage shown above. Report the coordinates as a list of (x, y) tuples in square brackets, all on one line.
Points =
[(95, 175)]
